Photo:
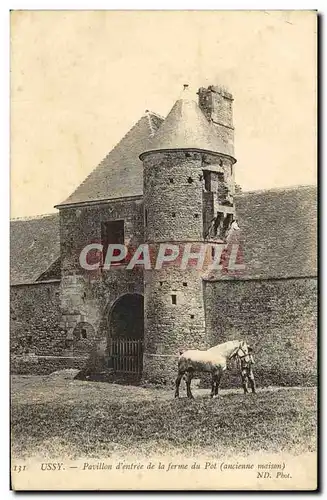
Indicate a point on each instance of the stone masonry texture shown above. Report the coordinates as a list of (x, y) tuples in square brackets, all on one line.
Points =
[(35, 319), (174, 306), (277, 317)]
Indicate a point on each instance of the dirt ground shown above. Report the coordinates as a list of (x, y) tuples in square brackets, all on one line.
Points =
[(56, 416)]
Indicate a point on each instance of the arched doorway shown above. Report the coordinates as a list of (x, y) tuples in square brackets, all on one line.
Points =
[(126, 317), (125, 335)]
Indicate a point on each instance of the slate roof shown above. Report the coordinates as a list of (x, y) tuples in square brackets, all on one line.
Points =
[(34, 247), (120, 174), (279, 232), (186, 127)]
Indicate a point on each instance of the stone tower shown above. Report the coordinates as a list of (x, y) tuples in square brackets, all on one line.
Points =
[(188, 200)]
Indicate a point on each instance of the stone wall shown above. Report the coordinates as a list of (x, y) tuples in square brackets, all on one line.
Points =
[(87, 296), (38, 342), (177, 204), (278, 317), (174, 319), (174, 310), (35, 319), (173, 196), (44, 365), (68, 318), (80, 226)]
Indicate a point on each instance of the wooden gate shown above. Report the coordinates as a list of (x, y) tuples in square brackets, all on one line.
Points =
[(126, 355)]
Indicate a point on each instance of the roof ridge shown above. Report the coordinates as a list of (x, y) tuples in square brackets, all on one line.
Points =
[(155, 114), (149, 114), (152, 131), (33, 217), (276, 189)]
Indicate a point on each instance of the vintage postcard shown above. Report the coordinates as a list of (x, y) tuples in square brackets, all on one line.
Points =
[(163, 250)]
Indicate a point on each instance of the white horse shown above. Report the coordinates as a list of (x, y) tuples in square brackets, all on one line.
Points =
[(214, 361)]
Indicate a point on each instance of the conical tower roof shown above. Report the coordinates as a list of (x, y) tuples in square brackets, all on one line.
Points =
[(186, 127)]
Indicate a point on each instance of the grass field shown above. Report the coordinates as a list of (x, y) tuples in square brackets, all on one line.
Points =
[(53, 416)]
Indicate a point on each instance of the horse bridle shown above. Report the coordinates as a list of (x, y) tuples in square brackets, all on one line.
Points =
[(244, 353), (236, 353)]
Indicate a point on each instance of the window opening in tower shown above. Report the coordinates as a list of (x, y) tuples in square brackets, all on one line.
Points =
[(206, 176), (214, 227)]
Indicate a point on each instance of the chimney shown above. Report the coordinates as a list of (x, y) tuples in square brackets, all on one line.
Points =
[(217, 105)]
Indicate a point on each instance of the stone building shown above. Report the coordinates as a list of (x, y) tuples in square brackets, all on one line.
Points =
[(168, 181)]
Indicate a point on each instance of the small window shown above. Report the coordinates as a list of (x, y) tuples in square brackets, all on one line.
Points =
[(112, 233), (77, 334), (84, 335), (171, 181), (207, 183), (196, 216), (227, 222), (161, 283), (192, 316), (146, 217), (174, 299), (217, 222), (68, 343), (184, 284), (173, 214), (221, 163), (190, 180)]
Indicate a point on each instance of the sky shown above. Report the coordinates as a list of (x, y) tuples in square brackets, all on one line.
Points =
[(81, 79)]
